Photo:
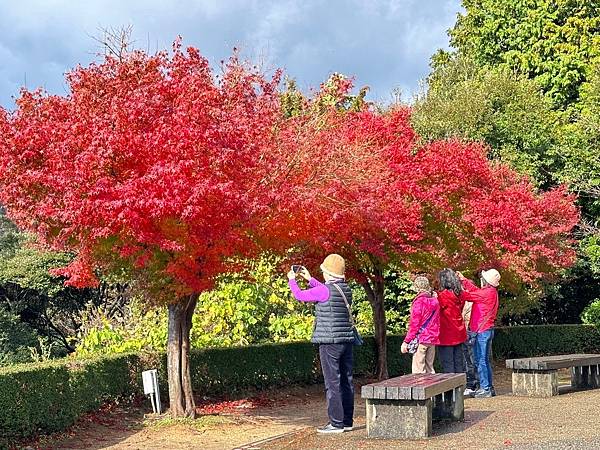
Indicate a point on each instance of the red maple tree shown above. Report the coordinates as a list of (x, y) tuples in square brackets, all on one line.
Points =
[(153, 168), (157, 169), (371, 192)]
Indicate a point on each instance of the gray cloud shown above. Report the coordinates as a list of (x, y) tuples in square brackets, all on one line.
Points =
[(383, 44)]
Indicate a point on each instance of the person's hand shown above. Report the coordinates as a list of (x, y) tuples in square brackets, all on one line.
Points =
[(460, 276), (404, 347), (291, 275), (304, 273)]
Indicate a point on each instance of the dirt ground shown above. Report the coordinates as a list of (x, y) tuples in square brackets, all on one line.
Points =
[(289, 417), (293, 409)]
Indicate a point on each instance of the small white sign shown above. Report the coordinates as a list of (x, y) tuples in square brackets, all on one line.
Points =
[(148, 377), (150, 381)]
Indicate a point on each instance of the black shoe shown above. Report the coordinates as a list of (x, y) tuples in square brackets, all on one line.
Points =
[(330, 429), (493, 391)]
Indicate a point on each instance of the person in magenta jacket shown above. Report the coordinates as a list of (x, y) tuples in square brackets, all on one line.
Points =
[(425, 325), (453, 332), (483, 316)]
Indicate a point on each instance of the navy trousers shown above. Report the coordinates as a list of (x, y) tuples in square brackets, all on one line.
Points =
[(337, 361), (451, 358)]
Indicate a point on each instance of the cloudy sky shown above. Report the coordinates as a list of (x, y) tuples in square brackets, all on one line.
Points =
[(385, 44)]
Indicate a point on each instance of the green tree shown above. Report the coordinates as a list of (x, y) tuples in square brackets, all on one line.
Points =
[(398, 297), (581, 166), (250, 307), (506, 111), (551, 41), (39, 299)]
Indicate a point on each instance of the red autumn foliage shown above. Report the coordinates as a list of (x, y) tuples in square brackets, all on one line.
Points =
[(241, 406), (482, 213), (337, 194), (151, 164), (156, 166), (363, 186)]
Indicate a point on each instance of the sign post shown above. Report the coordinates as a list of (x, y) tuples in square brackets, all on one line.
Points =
[(151, 389)]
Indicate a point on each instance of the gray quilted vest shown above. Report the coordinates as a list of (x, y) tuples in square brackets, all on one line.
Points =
[(332, 322)]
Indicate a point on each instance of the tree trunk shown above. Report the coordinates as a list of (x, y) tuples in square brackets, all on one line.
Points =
[(374, 288), (181, 399)]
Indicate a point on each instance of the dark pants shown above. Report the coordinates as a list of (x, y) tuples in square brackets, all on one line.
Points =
[(337, 362), (471, 368), (451, 358)]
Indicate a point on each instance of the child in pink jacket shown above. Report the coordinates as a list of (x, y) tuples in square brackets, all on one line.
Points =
[(425, 325)]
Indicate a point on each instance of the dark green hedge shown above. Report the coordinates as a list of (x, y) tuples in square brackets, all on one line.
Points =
[(538, 340), (50, 396), (229, 370), (216, 371)]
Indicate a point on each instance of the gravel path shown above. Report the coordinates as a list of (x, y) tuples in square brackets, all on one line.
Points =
[(569, 421)]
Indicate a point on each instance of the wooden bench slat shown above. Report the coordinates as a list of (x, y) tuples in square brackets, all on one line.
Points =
[(447, 384), (413, 387), (571, 361), (553, 362), (379, 392)]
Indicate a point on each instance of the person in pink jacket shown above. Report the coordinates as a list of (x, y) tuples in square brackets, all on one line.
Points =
[(424, 325)]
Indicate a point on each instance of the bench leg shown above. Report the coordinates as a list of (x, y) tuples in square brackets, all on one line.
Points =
[(535, 383), (578, 378), (585, 377), (449, 405), (595, 376), (399, 419)]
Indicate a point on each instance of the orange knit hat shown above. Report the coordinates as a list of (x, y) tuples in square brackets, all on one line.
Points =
[(334, 265)]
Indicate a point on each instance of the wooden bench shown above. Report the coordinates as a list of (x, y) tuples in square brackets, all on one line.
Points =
[(538, 377), (404, 407)]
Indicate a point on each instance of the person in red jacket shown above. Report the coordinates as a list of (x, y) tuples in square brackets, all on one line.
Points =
[(453, 332), (483, 317), (424, 325)]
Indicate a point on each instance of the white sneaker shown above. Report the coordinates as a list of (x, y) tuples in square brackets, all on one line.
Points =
[(330, 429), (483, 393), (469, 392), (350, 428)]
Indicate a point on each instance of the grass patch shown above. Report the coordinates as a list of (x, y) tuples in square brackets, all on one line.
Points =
[(197, 424)]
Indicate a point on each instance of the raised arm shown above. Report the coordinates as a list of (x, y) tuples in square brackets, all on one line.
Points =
[(471, 292), (316, 292)]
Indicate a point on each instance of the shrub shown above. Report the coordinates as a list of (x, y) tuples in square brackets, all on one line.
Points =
[(539, 340), (254, 307), (15, 339), (46, 397), (591, 314), (218, 371)]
